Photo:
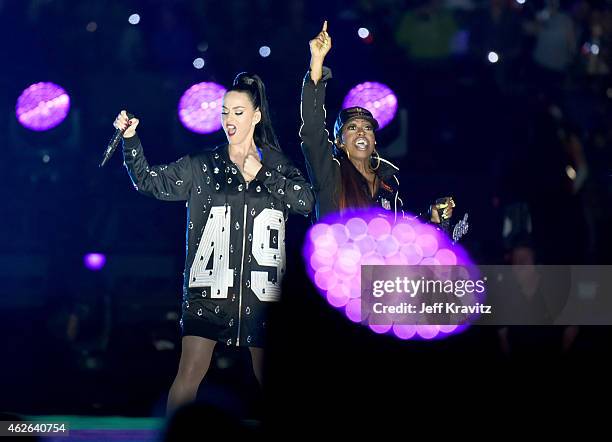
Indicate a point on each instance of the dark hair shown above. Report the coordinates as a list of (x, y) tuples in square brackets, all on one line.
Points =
[(252, 85), (350, 194)]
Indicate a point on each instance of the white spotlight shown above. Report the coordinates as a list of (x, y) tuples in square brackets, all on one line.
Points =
[(265, 51)]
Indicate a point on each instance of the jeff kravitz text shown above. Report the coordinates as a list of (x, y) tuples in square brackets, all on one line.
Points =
[(424, 300)]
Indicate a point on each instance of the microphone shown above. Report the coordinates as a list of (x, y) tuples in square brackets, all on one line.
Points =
[(113, 143)]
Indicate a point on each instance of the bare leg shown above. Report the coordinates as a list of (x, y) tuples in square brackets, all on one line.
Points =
[(257, 357), (196, 354)]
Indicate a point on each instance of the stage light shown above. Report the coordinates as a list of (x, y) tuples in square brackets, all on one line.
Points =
[(46, 158), (337, 247), (42, 106), (595, 49), (265, 51), (91, 26), (134, 19), (375, 97), (493, 57), (94, 261), (363, 33), (199, 108), (198, 63), (520, 2)]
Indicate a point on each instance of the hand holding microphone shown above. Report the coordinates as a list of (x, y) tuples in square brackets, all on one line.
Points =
[(125, 125)]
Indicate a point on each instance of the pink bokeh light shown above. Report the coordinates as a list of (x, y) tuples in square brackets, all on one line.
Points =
[(199, 108), (376, 97), (42, 106), (336, 249)]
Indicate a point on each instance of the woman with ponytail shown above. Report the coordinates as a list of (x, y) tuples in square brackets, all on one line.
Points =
[(239, 196), (347, 173)]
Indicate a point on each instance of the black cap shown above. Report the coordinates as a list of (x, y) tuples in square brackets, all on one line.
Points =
[(351, 113)]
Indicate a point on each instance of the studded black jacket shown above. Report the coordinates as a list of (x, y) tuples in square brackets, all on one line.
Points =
[(235, 235)]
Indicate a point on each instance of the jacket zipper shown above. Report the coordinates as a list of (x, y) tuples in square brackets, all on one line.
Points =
[(242, 265)]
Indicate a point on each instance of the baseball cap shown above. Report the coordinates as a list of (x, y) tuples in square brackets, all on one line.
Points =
[(351, 113)]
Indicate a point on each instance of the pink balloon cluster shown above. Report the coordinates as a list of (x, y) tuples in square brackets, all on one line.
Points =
[(337, 247)]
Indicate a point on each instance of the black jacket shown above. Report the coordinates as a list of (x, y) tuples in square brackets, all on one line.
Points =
[(235, 235), (324, 162)]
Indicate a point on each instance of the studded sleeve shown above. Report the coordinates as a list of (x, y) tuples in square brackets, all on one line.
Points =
[(287, 184), (171, 182), (316, 146)]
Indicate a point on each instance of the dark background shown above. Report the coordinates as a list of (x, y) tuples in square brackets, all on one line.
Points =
[(498, 137)]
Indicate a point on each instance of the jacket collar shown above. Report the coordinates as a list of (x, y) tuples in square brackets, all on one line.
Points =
[(264, 154)]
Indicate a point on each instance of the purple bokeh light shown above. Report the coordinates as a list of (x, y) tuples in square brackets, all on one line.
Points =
[(199, 108), (404, 331), (337, 247), (94, 261), (42, 106), (375, 97)]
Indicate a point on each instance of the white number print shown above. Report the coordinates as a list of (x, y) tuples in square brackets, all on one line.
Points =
[(269, 256), (216, 238)]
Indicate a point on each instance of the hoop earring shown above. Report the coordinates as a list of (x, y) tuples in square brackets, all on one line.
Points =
[(377, 160), (338, 144)]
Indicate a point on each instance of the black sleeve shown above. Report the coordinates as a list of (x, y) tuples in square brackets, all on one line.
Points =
[(316, 146), (171, 182), (287, 184)]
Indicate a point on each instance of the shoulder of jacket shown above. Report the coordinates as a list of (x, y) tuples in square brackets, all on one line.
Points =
[(389, 166), (217, 148), (273, 158)]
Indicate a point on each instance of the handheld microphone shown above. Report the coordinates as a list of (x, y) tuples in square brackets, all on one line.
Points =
[(113, 143)]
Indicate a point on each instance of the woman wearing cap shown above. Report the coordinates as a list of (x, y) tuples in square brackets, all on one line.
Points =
[(238, 197), (347, 173)]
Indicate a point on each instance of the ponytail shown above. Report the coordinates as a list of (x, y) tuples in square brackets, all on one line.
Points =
[(252, 85)]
